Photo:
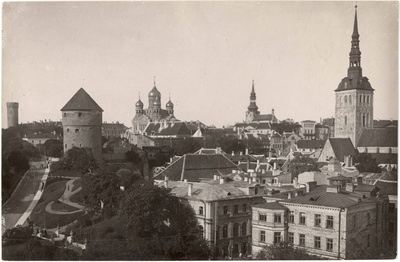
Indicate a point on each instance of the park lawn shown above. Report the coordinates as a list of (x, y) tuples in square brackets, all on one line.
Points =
[(77, 198), (67, 173), (59, 206), (52, 192), (77, 183)]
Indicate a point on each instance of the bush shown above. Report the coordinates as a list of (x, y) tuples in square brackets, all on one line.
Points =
[(17, 235)]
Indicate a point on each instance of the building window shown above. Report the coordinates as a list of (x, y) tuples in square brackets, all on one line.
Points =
[(244, 229), (277, 237), (225, 208), (360, 99), (225, 231), (262, 217), (329, 222), (350, 100), (317, 220), (65, 145), (291, 217), (368, 240), (76, 130), (277, 218), (345, 120), (256, 190), (79, 114), (345, 99), (368, 218), (391, 227), (329, 244), (317, 242), (200, 210), (302, 239), (244, 208), (262, 236), (201, 231), (367, 99), (236, 209), (291, 238), (392, 208), (65, 114), (302, 220), (67, 130), (236, 230)]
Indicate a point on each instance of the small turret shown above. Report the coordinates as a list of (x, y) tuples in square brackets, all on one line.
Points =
[(170, 106)]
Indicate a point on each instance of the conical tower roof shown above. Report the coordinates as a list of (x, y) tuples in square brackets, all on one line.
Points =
[(81, 101)]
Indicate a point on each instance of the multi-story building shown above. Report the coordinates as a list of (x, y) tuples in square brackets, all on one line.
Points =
[(113, 130), (276, 143), (328, 221), (354, 106), (321, 132), (38, 139), (307, 129), (223, 210)]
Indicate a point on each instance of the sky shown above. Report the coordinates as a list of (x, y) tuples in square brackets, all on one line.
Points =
[(203, 54)]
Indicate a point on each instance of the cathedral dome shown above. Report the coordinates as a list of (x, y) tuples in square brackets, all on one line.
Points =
[(154, 92), (170, 104), (157, 103), (139, 103)]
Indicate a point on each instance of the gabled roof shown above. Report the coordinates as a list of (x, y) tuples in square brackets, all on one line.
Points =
[(266, 117), (195, 167), (272, 205), (385, 123), (366, 188), (264, 126), (378, 137), (342, 147), (310, 144), (81, 101), (386, 188), (212, 191), (319, 197), (166, 129)]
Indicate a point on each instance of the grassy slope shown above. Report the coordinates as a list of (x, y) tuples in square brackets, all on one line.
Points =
[(53, 191)]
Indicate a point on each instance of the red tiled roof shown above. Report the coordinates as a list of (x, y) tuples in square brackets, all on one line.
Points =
[(81, 101)]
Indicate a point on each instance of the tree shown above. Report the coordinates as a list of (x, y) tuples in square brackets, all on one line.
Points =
[(54, 147), (153, 213), (127, 178), (284, 251), (187, 145), (79, 159), (302, 164), (364, 162), (231, 143), (16, 235)]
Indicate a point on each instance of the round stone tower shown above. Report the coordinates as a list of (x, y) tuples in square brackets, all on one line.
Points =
[(82, 122), (12, 114)]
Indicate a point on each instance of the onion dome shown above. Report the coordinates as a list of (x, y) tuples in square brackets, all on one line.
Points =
[(154, 92), (169, 104), (139, 104), (252, 107), (157, 102)]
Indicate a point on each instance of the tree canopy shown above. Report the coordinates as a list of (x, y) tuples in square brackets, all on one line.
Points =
[(284, 251), (54, 148), (364, 162), (302, 164)]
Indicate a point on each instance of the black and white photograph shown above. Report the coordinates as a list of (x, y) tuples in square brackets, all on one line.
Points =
[(199, 130)]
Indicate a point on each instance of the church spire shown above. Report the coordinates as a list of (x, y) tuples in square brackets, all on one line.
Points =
[(253, 106), (355, 70)]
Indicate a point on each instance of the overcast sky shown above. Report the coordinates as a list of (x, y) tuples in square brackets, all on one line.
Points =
[(205, 54)]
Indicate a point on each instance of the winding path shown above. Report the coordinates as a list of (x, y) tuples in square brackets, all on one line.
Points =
[(68, 193)]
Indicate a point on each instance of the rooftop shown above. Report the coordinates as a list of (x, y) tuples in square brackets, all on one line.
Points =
[(81, 101)]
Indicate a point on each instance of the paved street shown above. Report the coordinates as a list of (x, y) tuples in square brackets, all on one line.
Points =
[(22, 197)]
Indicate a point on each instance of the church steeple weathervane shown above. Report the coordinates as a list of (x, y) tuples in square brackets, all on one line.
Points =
[(355, 70)]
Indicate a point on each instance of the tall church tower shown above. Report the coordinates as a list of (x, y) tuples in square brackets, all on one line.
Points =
[(354, 96), (252, 109)]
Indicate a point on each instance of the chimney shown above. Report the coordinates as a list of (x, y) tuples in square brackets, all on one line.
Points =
[(215, 177), (258, 162), (289, 195), (190, 189), (275, 166), (359, 180), (241, 153), (234, 171), (247, 151), (185, 180), (218, 150), (233, 153), (310, 186), (221, 180), (333, 189), (349, 187), (279, 184), (270, 154), (166, 183), (262, 171), (248, 164)]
